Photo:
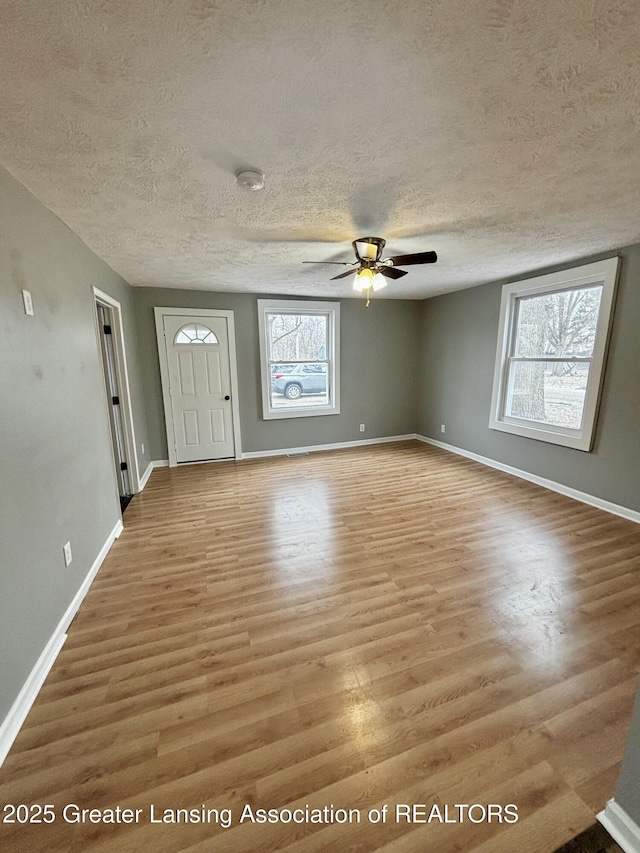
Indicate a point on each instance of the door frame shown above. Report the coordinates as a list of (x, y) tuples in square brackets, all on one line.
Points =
[(122, 375), (160, 314)]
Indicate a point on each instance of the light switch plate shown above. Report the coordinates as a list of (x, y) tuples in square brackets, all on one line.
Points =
[(28, 302)]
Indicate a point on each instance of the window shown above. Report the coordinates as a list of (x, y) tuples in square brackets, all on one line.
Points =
[(552, 342), (299, 357), (194, 333)]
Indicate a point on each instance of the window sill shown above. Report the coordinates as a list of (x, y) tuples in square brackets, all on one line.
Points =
[(278, 414), (576, 441)]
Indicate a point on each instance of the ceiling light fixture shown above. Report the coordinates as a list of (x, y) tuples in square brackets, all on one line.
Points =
[(367, 280), (371, 269), (250, 179)]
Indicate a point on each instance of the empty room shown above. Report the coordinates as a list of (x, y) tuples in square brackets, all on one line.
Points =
[(320, 434)]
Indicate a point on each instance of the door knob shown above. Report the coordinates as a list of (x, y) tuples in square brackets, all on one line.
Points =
[(227, 397)]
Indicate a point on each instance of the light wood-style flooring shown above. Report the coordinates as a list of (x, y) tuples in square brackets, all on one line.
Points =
[(387, 625)]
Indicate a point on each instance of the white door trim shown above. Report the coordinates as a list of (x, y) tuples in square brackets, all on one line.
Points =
[(160, 313), (123, 385)]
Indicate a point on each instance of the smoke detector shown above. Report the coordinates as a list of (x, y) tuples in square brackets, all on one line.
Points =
[(250, 179)]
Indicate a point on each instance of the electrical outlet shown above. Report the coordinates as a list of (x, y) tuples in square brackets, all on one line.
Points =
[(361, 427), (142, 448), (28, 303), (67, 554), (443, 428)]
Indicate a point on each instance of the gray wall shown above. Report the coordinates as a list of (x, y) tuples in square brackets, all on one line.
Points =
[(57, 479), (628, 789), (377, 381), (458, 347)]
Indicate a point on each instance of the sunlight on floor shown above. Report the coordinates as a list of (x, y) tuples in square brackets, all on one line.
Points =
[(302, 527)]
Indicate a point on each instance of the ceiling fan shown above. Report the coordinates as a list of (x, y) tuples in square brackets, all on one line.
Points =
[(371, 269)]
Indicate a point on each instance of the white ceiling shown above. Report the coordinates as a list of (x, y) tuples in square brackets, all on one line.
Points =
[(504, 134)]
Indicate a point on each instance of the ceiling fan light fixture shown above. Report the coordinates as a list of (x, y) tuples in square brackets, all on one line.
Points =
[(364, 279), (250, 179), (367, 279)]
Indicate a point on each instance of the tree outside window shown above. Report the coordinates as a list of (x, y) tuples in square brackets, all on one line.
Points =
[(551, 346), (299, 357)]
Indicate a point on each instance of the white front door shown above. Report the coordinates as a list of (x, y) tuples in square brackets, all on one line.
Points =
[(198, 363)]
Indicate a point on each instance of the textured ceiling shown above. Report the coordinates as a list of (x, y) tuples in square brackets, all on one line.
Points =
[(504, 134)]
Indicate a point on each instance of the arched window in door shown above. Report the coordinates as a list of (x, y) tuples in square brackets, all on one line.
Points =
[(194, 333)]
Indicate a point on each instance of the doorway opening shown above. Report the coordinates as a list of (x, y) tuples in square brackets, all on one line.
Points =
[(111, 341)]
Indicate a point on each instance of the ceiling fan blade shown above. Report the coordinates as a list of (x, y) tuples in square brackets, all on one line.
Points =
[(339, 263), (344, 274), (417, 258), (392, 272)]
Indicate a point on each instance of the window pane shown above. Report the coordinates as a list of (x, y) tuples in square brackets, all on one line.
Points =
[(195, 334), (296, 337), (299, 386), (299, 357), (558, 324), (551, 392)]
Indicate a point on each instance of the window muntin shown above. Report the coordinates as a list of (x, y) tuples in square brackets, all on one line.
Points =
[(194, 333), (299, 357), (552, 341)]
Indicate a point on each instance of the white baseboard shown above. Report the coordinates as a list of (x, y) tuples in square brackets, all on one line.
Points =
[(592, 500), (78, 598), (143, 480), (316, 448), (155, 463), (623, 829), (12, 723)]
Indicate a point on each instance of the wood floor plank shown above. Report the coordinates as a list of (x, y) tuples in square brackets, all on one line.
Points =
[(358, 628)]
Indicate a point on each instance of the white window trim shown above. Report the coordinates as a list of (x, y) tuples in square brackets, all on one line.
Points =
[(333, 346), (601, 272)]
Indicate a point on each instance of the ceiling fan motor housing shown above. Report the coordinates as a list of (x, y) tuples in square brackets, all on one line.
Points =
[(368, 250)]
